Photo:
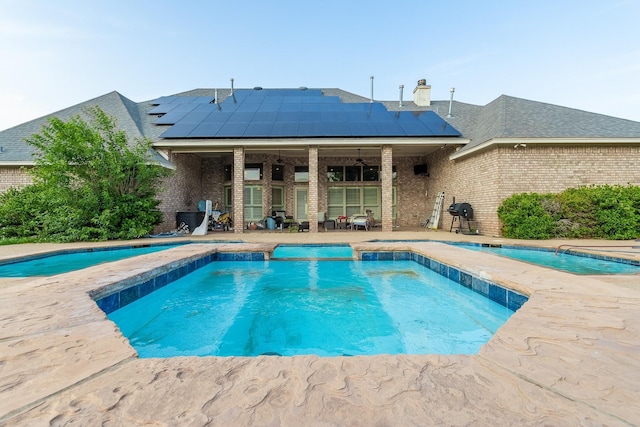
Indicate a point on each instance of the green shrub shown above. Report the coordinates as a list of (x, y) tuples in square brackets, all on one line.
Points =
[(609, 212), (523, 217), (577, 214), (616, 212)]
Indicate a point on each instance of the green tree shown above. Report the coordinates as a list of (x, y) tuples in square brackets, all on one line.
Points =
[(90, 183)]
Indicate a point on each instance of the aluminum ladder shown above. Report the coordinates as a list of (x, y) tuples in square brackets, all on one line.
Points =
[(434, 219)]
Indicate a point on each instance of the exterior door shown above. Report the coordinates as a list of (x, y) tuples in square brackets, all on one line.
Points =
[(301, 204)]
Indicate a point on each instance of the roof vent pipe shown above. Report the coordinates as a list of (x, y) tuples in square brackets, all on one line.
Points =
[(371, 88), (453, 89), (401, 89), (231, 87), (215, 100)]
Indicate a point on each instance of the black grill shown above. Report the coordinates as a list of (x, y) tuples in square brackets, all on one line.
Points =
[(463, 210)]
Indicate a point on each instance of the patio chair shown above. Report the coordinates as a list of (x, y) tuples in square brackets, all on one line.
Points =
[(280, 218), (362, 220)]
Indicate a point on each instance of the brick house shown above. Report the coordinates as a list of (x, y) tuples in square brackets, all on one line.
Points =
[(327, 152)]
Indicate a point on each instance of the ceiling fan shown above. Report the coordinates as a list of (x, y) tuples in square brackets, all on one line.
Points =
[(359, 161), (279, 159)]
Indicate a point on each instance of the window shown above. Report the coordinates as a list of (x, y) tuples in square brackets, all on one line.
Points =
[(335, 173), (356, 173), (370, 173), (253, 172), (301, 174), (277, 199), (228, 197), (352, 173), (277, 172), (356, 200), (352, 200), (253, 203)]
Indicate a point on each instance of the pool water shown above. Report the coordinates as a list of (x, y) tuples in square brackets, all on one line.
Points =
[(563, 261), (327, 308), (313, 251), (48, 265)]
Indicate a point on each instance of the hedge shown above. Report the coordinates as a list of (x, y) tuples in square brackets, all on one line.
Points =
[(600, 212)]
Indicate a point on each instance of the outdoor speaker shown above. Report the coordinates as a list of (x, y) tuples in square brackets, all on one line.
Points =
[(421, 170)]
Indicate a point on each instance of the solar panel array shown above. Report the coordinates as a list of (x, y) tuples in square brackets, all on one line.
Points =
[(289, 113)]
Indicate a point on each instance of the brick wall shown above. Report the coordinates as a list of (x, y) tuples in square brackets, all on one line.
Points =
[(483, 180), (486, 179), (239, 161), (412, 204), (181, 191), (386, 179), (13, 177), (314, 175)]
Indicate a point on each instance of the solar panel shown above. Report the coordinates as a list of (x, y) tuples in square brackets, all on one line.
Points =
[(171, 118), (241, 117), (338, 129), (232, 129), (363, 128), (270, 107), (163, 108), (216, 117), (265, 116), (163, 100), (259, 129), (288, 116), (205, 130), (311, 128), (284, 129), (178, 130), (194, 117), (388, 129), (271, 113)]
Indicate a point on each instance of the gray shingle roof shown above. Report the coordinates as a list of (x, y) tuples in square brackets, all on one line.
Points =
[(509, 117), (125, 111), (505, 117)]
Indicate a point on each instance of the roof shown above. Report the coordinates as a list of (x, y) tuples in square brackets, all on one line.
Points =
[(502, 119), (290, 113), (509, 118), (125, 111)]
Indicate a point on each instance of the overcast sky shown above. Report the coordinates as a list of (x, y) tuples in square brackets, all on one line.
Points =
[(583, 54)]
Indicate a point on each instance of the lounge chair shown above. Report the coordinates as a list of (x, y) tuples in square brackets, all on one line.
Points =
[(362, 220)]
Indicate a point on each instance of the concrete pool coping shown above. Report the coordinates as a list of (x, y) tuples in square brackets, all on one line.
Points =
[(569, 356)]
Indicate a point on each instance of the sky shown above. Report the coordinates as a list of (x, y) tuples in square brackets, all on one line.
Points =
[(582, 54)]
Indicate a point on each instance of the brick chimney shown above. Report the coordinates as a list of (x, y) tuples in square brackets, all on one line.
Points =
[(422, 94)]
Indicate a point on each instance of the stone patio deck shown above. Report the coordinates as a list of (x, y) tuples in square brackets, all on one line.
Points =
[(569, 356)]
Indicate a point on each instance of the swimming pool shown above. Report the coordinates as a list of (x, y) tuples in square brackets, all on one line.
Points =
[(566, 261), (328, 308), (57, 263), (312, 251)]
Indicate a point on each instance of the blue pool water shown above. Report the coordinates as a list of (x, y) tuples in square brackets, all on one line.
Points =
[(328, 308), (313, 251), (48, 265), (563, 261)]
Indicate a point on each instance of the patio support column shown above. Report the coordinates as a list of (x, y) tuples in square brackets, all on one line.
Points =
[(312, 208), (387, 187), (238, 190)]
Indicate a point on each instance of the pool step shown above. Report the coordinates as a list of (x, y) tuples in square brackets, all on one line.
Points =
[(311, 259)]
